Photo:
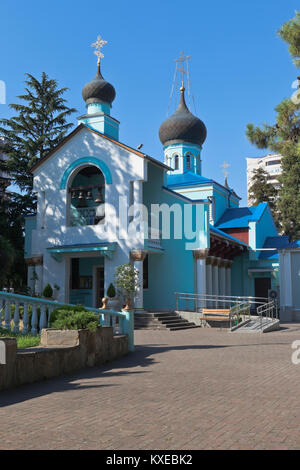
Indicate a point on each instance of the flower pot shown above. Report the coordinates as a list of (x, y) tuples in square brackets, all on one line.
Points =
[(113, 303), (128, 304)]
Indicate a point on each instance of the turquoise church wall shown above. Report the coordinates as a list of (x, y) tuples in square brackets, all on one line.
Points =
[(85, 296), (295, 262), (173, 270), (242, 283)]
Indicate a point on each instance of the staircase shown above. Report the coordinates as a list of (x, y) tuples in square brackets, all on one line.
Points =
[(161, 321)]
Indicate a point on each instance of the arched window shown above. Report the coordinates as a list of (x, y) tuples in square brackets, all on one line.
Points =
[(176, 162), (86, 193), (188, 162)]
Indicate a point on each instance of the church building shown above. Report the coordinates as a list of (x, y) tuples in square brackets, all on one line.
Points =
[(83, 230)]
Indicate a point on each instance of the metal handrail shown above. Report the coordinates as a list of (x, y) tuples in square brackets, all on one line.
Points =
[(201, 300), (268, 310)]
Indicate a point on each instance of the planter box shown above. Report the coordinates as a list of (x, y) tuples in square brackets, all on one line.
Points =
[(61, 352)]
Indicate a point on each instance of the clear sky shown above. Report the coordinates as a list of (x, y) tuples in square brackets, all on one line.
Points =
[(240, 68)]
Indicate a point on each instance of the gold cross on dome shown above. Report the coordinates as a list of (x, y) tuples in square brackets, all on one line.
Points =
[(181, 60), (98, 46), (225, 166)]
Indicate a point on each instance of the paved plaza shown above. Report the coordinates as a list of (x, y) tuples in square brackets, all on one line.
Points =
[(194, 389)]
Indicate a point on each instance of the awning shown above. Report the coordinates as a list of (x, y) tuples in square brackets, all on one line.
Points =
[(101, 249)]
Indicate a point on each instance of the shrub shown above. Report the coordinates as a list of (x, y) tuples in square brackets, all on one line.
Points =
[(111, 291), (127, 279), (48, 291), (73, 318)]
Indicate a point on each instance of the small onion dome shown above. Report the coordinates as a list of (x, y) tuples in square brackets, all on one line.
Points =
[(98, 90), (182, 126)]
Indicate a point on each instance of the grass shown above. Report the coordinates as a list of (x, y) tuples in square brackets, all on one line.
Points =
[(23, 341)]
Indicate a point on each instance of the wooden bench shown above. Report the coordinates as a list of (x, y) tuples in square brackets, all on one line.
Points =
[(216, 314)]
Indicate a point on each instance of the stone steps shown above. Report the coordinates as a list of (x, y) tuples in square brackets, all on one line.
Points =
[(161, 321)]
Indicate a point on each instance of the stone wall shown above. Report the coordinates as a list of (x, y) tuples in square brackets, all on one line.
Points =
[(61, 352)]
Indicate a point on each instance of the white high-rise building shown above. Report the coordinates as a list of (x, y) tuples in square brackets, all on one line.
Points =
[(271, 163)]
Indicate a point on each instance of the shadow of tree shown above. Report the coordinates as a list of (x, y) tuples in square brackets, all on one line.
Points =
[(143, 356)]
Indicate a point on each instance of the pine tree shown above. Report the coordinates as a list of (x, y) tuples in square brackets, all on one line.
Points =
[(39, 125), (284, 138), (261, 190)]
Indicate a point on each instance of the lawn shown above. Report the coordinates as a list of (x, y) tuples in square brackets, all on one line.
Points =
[(23, 341)]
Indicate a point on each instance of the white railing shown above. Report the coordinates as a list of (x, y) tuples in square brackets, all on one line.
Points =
[(36, 314)]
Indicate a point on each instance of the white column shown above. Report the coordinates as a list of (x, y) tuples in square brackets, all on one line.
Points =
[(228, 277), (222, 282), (138, 257), (200, 256), (215, 281), (209, 279)]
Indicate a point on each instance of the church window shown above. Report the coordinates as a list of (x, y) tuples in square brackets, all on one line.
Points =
[(86, 197), (176, 162), (188, 162)]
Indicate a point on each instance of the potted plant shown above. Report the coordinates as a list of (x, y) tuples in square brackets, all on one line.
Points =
[(113, 302), (127, 280), (48, 292)]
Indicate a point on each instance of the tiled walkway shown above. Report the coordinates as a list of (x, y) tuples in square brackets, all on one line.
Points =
[(194, 389)]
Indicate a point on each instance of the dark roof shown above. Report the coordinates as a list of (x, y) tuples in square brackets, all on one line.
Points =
[(98, 90), (182, 126), (278, 243), (83, 126), (241, 216)]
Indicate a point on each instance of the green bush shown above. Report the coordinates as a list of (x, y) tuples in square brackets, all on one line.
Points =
[(111, 291), (73, 318), (48, 291)]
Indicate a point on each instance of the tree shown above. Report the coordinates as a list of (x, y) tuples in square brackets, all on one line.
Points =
[(283, 138), (261, 190), (38, 127), (11, 229)]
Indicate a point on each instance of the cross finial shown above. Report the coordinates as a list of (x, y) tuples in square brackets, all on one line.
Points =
[(225, 171), (181, 60), (98, 45)]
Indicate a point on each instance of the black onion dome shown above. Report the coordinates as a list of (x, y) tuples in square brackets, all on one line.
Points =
[(182, 126), (98, 90)]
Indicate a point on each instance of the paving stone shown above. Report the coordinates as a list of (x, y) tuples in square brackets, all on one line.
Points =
[(193, 389)]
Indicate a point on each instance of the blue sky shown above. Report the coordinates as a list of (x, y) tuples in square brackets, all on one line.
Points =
[(240, 69)]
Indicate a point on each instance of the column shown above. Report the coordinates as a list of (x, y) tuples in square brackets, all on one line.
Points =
[(209, 279), (200, 257), (228, 276), (222, 282), (138, 257), (215, 276)]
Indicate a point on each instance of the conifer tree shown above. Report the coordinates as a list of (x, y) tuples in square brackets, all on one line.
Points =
[(261, 190), (38, 126), (283, 138)]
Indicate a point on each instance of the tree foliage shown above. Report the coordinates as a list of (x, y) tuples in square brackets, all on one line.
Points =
[(290, 33), (283, 137), (38, 126), (261, 190)]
